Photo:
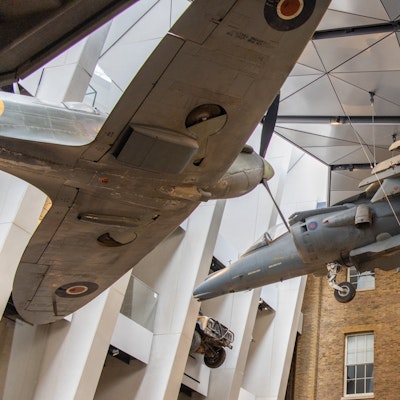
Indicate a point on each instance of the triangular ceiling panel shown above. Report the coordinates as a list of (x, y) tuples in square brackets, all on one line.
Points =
[(300, 69), (317, 98), (376, 55), (357, 101), (340, 196), (392, 8), (310, 58), (367, 8), (385, 84), (336, 19), (347, 180), (337, 155), (380, 154), (294, 83), (344, 184), (381, 136), (307, 139), (355, 155), (338, 53)]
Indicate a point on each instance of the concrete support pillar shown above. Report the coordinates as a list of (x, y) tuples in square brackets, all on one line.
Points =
[(20, 208), (171, 270), (28, 344), (64, 360), (238, 312), (270, 355)]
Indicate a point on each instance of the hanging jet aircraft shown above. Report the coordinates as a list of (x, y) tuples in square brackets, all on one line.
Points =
[(176, 138), (364, 233)]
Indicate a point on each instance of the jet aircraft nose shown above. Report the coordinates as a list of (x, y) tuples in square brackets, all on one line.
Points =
[(216, 284)]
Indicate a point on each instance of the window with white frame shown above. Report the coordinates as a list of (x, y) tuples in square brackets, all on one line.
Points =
[(361, 280), (359, 364)]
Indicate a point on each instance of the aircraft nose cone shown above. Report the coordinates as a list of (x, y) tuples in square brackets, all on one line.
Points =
[(215, 285), (200, 292), (204, 292)]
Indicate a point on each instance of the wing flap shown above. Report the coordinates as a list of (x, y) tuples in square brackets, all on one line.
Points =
[(364, 258)]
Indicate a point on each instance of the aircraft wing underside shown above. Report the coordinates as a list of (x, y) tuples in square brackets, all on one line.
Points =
[(383, 253), (85, 244), (177, 129)]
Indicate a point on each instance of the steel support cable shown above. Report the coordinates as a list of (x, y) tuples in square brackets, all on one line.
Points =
[(358, 136)]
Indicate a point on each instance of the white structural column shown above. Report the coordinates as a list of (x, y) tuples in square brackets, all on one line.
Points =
[(238, 312), (67, 77), (28, 344), (274, 335), (20, 207), (171, 270), (64, 360), (75, 352)]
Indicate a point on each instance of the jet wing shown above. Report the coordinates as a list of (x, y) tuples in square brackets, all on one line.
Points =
[(176, 131), (33, 32), (383, 253)]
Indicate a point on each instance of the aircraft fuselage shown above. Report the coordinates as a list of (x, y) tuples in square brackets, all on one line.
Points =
[(360, 234)]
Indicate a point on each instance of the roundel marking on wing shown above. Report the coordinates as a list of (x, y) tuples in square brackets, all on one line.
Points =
[(312, 226), (286, 15), (76, 289), (1, 107)]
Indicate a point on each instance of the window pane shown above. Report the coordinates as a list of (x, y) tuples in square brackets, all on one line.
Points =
[(360, 359), (351, 372), (360, 386), (351, 344), (350, 387), (351, 358), (364, 280), (369, 385), (370, 342), (369, 370), (360, 371)]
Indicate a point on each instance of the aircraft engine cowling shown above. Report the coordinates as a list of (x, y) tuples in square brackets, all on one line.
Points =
[(246, 172)]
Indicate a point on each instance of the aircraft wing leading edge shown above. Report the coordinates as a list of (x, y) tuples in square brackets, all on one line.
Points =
[(199, 96)]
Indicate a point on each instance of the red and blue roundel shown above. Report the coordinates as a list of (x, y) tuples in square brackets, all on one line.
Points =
[(285, 15), (312, 226)]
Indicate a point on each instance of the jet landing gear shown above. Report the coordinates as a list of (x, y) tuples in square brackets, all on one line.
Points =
[(344, 291)]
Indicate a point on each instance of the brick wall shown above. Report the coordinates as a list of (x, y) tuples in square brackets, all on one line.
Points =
[(321, 347)]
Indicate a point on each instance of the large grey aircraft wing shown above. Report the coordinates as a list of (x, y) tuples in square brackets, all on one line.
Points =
[(384, 253), (33, 32), (171, 141)]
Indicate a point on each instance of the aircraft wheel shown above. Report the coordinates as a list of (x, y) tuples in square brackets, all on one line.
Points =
[(196, 342), (215, 357), (347, 294)]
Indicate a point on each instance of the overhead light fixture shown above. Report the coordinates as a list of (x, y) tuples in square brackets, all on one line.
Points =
[(336, 121)]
